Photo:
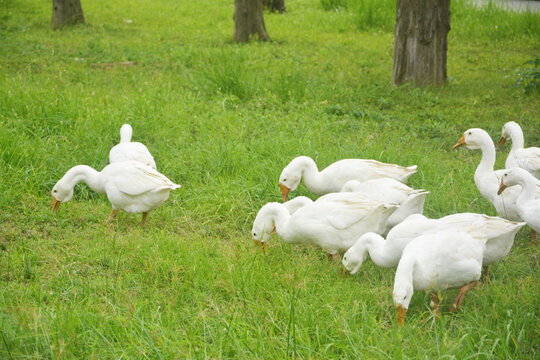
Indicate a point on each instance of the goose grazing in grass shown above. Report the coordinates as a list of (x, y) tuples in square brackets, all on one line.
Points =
[(336, 175), (389, 190), (130, 186), (500, 235), (519, 156), (487, 180), (435, 262), (528, 204), (332, 222), (127, 150)]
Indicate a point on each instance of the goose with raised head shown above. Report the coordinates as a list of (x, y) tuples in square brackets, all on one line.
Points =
[(487, 180), (332, 178), (332, 222), (130, 186), (527, 203), (519, 155), (128, 150), (435, 262), (389, 190), (500, 235)]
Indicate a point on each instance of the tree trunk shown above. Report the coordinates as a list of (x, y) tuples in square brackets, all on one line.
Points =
[(249, 21), (66, 12), (420, 42), (275, 5)]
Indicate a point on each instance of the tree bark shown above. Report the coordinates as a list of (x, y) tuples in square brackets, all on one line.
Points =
[(66, 12), (421, 42), (249, 21), (275, 5)]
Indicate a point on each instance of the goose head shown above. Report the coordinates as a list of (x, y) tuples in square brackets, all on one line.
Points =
[(506, 133), (354, 257), (292, 174), (61, 192), (473, 139), (263, 227), (403, 293), (513, 176)]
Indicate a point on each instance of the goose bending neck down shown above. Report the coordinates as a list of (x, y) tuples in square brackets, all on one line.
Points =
[(130, 186), (436, 262), (332, 222), (332, 178)]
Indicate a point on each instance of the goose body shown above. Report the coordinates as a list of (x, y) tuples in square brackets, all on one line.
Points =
[(500, 234), (487, 180), (130, 186), (332, 222), (389, 190), (332, 178), (294, 204), (519, 156), (436, 262), (528, 204), (127, 150)]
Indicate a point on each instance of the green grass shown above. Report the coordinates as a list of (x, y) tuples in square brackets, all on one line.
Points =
[(223, 120)]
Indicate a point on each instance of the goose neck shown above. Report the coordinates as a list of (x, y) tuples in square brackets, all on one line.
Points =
[(87, 175), (311, 175)]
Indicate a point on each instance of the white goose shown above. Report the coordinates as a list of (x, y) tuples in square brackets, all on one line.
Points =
[(500, 235), (528, 205), (336, 175), (487, 180), (525, 158), (130, 186), (332, 222), (294, 204), (435, 262), (389, 190), (127, 150)]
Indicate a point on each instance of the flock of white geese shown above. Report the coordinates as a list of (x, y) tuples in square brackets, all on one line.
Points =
[(363, 200)]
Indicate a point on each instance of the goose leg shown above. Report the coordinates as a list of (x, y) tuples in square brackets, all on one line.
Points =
[(143, 221), (435, 303), (459, 298), (485, 273), (335, 257), (111, 216), (534, 237)]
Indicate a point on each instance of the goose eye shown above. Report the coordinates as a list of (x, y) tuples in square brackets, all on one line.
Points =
[(470, 133), (254, 234), (284, 179), (55, 191)]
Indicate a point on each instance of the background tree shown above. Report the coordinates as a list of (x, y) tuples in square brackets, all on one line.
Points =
[(249, 21), (275, 5), (66, 12), (420, 42)]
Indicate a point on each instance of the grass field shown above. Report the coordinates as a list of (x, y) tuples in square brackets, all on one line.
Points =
[(223, 120)]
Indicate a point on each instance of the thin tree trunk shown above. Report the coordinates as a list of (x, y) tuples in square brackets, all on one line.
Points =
[(275, 5), (249, 21), (420, 42), (66, 12)]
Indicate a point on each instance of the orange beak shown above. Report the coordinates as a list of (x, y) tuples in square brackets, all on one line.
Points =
[(502, 141), (284, 191), (344, 272), (501, 188), (55, 204), (460, 143), (401, 315), (263, 245)]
